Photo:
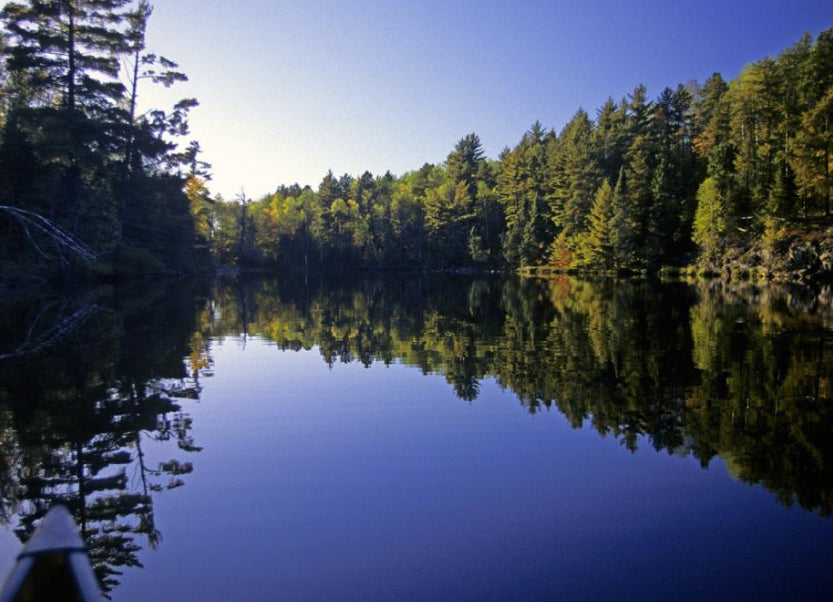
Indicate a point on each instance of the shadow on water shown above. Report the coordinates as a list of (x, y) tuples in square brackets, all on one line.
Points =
[(738, 372), (95, 379)]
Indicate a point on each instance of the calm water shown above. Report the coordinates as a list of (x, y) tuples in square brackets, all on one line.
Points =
[(427, 439)]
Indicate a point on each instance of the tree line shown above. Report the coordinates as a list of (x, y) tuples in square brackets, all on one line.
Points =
[(79, 160), (643, 184)]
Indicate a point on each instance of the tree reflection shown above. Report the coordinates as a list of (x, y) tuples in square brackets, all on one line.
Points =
[(709, 370), (713, 370), (765, 401), (77, 419)]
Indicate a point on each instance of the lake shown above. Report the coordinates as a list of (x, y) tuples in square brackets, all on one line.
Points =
[(427, 438)]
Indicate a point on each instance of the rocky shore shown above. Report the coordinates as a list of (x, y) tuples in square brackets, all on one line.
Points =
[(789, 255)]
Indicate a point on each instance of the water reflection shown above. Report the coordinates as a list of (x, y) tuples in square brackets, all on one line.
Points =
[(708, 370), (77, 415)]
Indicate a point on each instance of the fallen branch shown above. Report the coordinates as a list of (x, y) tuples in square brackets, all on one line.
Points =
[(65, 242), (61, 328)]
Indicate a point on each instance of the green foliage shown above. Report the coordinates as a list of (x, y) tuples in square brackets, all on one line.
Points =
[(691, 167), (523, 193), (74, 149), (574, 175), (710, 220), (595, 248), (696, 164), (813, 152), (625, 229)]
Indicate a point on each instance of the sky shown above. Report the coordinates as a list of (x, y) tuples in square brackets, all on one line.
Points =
[(289, 90)]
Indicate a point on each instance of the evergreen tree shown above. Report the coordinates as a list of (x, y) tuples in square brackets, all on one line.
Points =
[(523, 193), (624, 226), (813, 148), (158, 70), (574, 179), (596, 247), (66, 54), (661, 215), (715, 145), (783, 193), (611, 137), (710, 95), (639, 175), (95, 167), (464, 163), (322, 226)]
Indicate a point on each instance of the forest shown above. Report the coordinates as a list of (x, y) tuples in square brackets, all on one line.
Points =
[(90, 184), (691, 176), (703, 171)]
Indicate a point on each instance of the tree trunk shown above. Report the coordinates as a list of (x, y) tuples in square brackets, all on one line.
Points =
[(826, 168), (128, 153), (73, 173), (71, 50)]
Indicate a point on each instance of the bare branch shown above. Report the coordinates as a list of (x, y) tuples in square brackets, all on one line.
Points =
[(61, 328), (64, 241)]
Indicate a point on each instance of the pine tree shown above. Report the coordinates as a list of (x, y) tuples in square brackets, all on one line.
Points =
[(68, 51), (158, 70), (624, 227), (322, 226), (611, 137), (710, 95), (66, 54), (596, 250), (639, 111), (574, 175), (662, 215), (783, 193), (813, 153), (714, 144), (464, 163), (523, 193), (511, 198), (639, 174)]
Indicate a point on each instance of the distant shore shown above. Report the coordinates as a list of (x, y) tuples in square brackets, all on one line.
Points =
[(790, 255)]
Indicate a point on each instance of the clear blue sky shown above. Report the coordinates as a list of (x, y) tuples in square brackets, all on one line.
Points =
[(289, 90)]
